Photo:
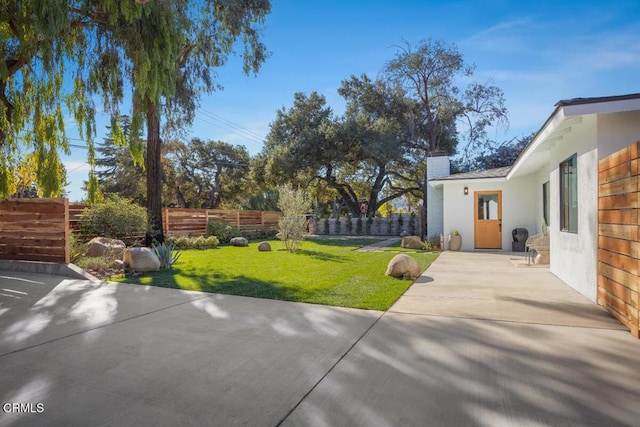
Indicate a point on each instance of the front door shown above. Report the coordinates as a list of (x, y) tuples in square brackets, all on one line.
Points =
[(488, 219)]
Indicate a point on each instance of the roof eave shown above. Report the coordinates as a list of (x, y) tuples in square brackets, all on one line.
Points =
[(439, 182)]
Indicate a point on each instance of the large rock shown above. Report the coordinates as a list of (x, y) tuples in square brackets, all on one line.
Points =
[(264, 247), (411, 242), (402, 266), (239, 241), (141, 259), (106, 247)]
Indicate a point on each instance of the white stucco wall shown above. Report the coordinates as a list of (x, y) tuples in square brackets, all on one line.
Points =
[(519, 207), (617, 131), (574, 256), (438, 166)]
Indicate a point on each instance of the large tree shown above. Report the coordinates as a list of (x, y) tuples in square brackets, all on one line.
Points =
[(171, 56), (361, 157), (41, 44), (207, 173), (496, 156), (432, 74), (166, 52)]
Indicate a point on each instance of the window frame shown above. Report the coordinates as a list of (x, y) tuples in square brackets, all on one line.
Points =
[(569, 194), (546, 202)]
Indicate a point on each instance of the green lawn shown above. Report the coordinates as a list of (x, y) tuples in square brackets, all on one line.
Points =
[(325, 271)]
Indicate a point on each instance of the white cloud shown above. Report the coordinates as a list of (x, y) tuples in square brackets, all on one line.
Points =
[(504, 37)]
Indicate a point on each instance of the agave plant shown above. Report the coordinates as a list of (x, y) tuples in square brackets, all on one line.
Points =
[(166, 254)]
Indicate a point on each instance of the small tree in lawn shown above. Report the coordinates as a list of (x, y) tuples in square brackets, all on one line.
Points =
[(294, 204)]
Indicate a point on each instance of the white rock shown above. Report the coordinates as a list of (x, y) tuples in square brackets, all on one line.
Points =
[(141, 259), (403, 265), (104, 246)]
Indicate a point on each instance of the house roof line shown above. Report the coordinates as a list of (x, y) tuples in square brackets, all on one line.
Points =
[(559, 115), (560, 106)]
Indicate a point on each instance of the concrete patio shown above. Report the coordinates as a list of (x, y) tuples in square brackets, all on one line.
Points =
[(475, 341)]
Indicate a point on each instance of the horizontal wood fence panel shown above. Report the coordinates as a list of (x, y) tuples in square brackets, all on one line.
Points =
[(619, 231), (182, 222), (34, 230), (614, 174), (618, 216), (622, 186), (619, 236)]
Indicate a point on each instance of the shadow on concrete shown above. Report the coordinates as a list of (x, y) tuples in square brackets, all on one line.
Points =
[(419, 370), (107, 353)]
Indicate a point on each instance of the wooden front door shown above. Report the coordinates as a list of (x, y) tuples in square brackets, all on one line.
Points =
[(488, 219)]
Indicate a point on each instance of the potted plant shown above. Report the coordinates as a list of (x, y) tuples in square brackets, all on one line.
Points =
[(455, 241)]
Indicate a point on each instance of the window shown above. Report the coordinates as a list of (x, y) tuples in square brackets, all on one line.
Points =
[(546, 198), (569, 195)]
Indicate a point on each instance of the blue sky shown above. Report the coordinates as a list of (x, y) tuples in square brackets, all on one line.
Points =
[(536, 52)]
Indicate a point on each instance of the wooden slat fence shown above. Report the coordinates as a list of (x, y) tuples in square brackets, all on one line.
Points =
[(180, 222), (618, 236), (34, 230)]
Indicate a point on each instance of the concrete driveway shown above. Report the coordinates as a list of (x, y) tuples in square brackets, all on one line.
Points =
[(487, 344)]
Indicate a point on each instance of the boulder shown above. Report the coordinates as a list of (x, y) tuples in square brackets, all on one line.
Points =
[(117, 264), (239, 241), (402, 266), (411, 242), (104, 246), (264, 247), (141, 259)]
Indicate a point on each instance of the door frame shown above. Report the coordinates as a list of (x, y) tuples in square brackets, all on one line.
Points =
[(475, 216)]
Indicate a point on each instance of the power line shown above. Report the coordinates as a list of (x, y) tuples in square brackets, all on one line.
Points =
[(231, 127), (232, 124)]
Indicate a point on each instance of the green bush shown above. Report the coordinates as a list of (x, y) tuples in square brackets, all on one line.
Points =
[(326, 226), (114, 217), (263, 233), (224, 232), (184, 242), (359, 225), (294, 205), (369, 224)]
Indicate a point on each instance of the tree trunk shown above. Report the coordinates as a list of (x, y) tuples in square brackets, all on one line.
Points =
[(154, 176)]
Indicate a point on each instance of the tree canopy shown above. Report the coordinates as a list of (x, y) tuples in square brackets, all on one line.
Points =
[(161, 55), (364, 156), (207, 174)]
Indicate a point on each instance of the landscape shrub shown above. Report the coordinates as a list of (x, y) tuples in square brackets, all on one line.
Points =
[(338, 225), (200, 242), (224, 232), (359, 225), (114, 217), (327, 226), (262, 233), (294, 205)]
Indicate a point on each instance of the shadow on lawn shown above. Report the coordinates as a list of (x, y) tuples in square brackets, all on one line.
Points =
[(321, 256), (224, 284), (344, 241)]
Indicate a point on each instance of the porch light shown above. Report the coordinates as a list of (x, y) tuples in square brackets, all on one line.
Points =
[(466, 190)]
